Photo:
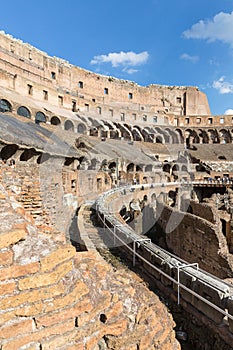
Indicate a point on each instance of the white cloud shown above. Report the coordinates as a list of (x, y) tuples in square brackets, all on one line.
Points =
[(122, 58), (190, 58), (220, 27), (223, 86), (229, 112), (130, 70)]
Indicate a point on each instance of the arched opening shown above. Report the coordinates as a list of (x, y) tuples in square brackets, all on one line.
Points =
[(181, 137), (214, 137), (175, 167), (68, 161), (28, 154), (94, 164), (94, 132), (24, 112), (203, 134), (130, 167), (158, 139), (5, 106), (55, 121), (139, 168), (153, 197), (8, 151), (103, 318), (112, 166), (43, 158), (166, 168), (225, 136), (114, 134), (68, 126), (40, 118), (82, 129), (136, 135), (172, 198)]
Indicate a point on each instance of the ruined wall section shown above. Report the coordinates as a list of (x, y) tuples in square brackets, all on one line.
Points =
[(196, 240), (55, 298), (21, 65), (39, 188)]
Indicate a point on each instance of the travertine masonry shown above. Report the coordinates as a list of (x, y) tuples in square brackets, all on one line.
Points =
[(55, 298)]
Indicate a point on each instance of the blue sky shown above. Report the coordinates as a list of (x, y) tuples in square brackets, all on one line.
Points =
[(170, 42)]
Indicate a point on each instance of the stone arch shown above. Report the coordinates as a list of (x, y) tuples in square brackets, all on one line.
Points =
[(68, 125), (225, 136), (153, 197), (82, 128), (145, 179), (28, 154), (40, 117), (139, 168), (104, 130), (204, 137), (172, 198), (130, 167), (137, 136), (94, 131), (24, 112), (55, 120), (43, 157), (181, 136), (191, 137), (159, 138), (5, 106), (112, 165), (174, 136), (94, 164), (167, 168), (8, 151), (148, 134), (165, 135), (84, 163), (125, 131), (114, 134), (184, 168), (213, 135)]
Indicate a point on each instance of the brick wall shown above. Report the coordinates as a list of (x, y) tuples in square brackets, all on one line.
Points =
[(55, 298)]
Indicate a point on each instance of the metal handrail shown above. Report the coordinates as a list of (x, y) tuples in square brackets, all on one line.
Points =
[(133, 251)]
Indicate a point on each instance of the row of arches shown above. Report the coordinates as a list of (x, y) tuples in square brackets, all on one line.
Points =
[(206, 136), (22, 111), (115, 130)]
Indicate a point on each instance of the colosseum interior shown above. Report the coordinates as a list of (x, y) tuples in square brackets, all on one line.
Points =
[(157, 159)]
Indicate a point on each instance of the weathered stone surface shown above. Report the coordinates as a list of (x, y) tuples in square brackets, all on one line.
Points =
[(12, 237), (45, 279)]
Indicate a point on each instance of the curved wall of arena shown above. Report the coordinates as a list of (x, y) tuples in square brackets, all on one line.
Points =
[(53, 297), (31, 72)]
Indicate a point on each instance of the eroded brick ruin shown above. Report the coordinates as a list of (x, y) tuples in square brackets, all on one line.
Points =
[(69, 135)]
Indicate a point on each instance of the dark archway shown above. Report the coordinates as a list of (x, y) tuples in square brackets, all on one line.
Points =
[(28, 154), (5, 106), (55, 121), (8, 151), (40, 118), (24, 112), (68, 126), (82, 129)]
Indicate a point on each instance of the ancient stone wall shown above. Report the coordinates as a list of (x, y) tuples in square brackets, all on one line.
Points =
[(29, 71), (55, 298), (201, 210), (196, 240), (42, 192)]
